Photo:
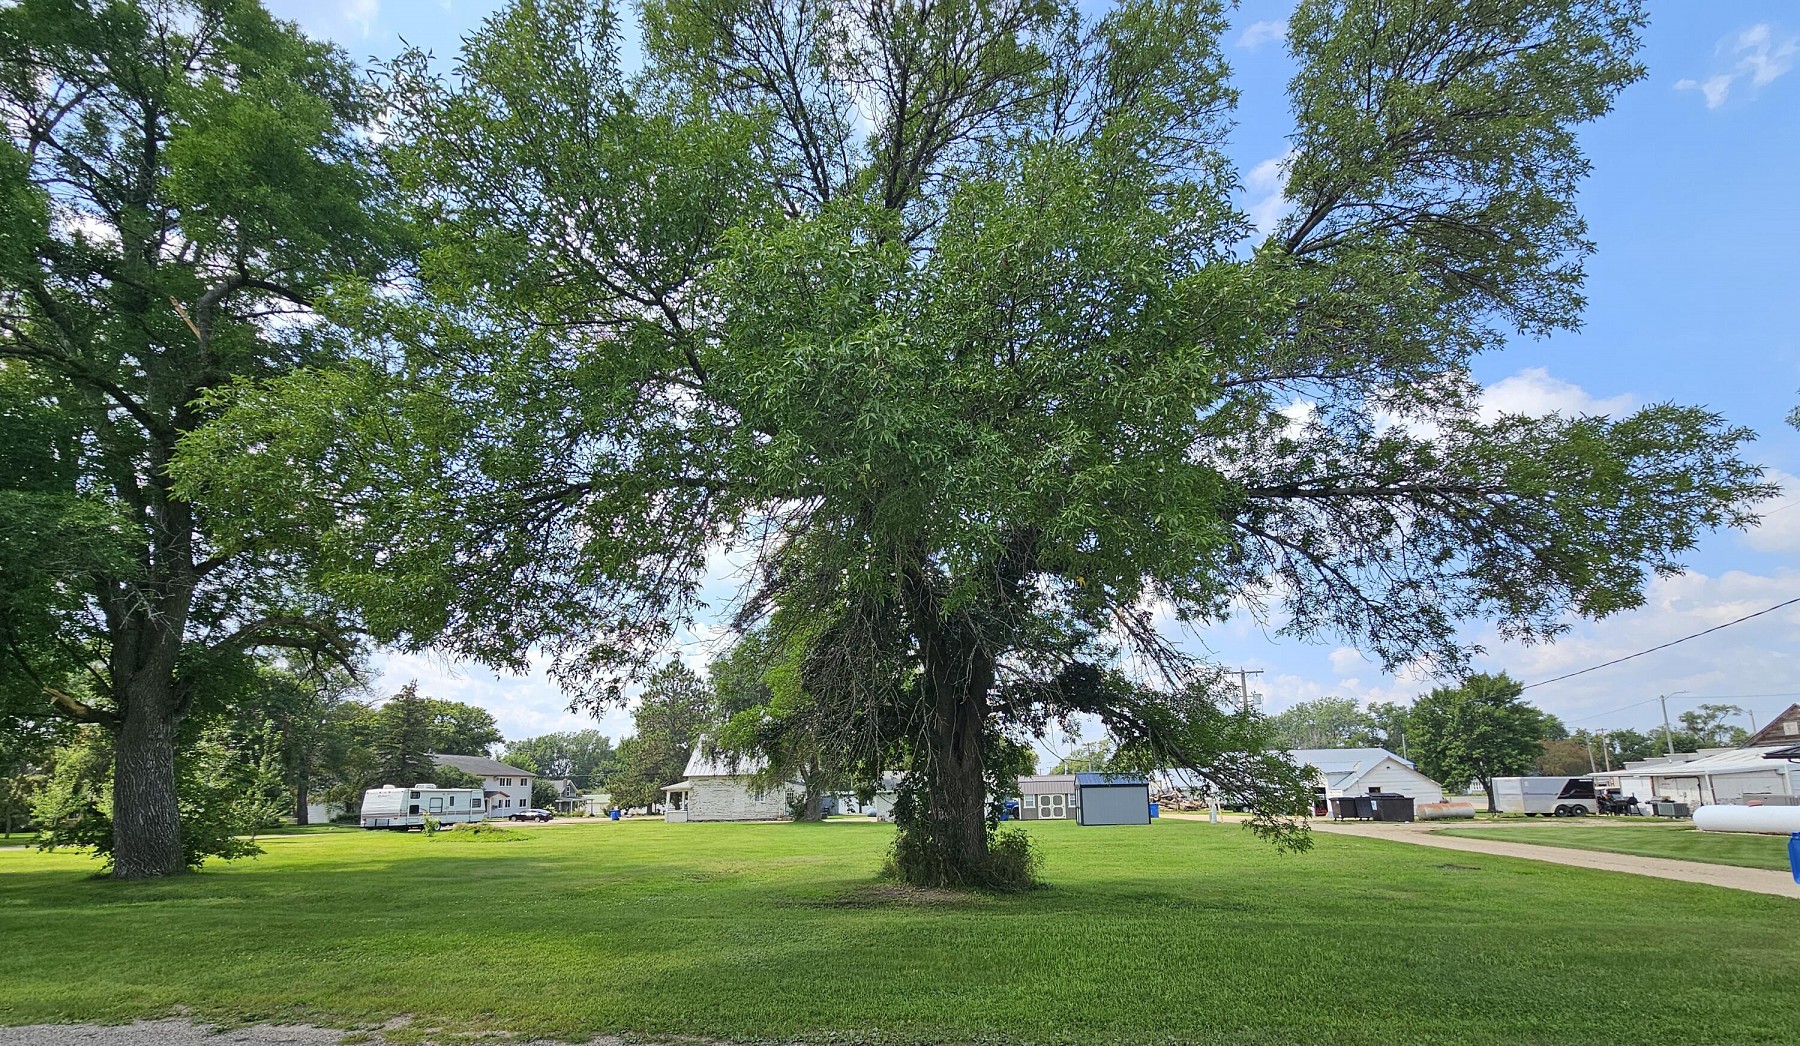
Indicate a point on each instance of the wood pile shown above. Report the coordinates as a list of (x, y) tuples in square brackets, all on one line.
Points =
[(1171, 799)]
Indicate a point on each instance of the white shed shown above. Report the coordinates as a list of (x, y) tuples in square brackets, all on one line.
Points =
[(720, 790), (1360, 771), (1718, 777)]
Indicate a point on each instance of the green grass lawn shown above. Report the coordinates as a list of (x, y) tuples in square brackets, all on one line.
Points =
[(1179, 932), (1678, 840)]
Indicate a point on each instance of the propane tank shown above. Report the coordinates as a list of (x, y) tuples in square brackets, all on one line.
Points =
[(1443, 811), (1772, 820)]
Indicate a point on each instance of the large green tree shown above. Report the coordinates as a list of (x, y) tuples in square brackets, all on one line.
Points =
[(672, 715), (1476, 731), (1325, 722), (178, 178), (943, 315), (583, 756)]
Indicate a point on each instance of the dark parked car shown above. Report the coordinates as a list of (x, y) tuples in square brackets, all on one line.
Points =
[(532, 815)]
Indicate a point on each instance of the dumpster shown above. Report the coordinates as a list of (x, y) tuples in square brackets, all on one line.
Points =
[(1391, 806), (1352, 808)]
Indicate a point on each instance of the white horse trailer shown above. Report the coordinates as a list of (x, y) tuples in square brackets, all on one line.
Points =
[(1550, 796), (393, 807)]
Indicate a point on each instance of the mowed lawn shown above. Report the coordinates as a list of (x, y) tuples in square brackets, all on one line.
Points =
[(1676, 840), (1179, 932)]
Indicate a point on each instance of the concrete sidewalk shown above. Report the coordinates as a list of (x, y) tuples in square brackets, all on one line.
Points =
[(1731, 877)]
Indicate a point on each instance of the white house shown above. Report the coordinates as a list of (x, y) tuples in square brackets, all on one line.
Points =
[(719, 790), (508, 788), (1360, 771)]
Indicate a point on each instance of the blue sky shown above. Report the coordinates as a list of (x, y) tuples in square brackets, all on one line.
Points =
[(1695, 206)]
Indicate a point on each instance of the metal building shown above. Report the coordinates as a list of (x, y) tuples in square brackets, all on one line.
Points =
[(1111, 799)]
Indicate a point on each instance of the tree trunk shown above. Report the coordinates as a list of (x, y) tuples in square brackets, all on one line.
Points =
[(1487, 785), (146, 816), (301, 796), (947, 834)]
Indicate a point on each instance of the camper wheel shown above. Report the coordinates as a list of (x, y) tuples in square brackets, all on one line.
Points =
[(1562, 811)]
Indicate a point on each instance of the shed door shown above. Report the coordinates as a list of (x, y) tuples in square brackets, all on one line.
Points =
[(1054, 805)]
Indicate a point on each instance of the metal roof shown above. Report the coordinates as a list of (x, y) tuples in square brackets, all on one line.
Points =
[(1792, 753), (698, 765), (480, 766), (1091, 780), (1734, 761)]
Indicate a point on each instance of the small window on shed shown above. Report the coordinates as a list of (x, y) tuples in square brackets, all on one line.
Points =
[(1790, 729), (1029, 802)]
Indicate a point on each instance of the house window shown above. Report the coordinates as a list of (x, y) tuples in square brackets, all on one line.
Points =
[(506, 780), (1790, 729)]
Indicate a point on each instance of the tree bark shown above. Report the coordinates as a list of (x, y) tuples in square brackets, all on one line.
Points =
[(955, 814), (301, 795), (146, 815)]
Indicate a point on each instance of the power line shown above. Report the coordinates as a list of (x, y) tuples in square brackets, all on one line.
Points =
[(1662, 646)]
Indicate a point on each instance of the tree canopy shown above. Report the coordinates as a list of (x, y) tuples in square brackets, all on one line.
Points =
[(1477, 731), (178, 182), (941, 317), (672, 715)]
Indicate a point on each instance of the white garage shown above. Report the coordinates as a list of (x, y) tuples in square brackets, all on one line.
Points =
[(1360, 771)]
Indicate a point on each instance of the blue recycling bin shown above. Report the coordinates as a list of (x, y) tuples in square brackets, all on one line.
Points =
[(1794, 855), (615, 813), (1154, 812)]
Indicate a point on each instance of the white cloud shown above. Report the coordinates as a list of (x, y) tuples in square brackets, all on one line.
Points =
[(1755, 55), (524, 706), (1347, 661), (1265, 184), (1534, 392), (1780, 527), (1257, 34), (361, 14)]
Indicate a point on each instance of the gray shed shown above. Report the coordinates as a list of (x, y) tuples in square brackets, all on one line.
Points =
[(1112, 799)]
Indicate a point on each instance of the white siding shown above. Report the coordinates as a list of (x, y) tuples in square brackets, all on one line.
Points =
[(1391, 775), (729, 799), (519, 792), (1730, 788)]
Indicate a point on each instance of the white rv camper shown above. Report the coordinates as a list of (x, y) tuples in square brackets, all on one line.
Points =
[(393, 807), (1551, 796)]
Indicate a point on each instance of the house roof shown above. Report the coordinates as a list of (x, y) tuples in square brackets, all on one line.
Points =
[(1093, 780), (479, 765), (1784, 729), (1792, 752), (701, 765), (1731, 761), (1343, 767)]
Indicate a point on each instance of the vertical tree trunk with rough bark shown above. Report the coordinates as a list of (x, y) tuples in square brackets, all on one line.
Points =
[(146, 816)]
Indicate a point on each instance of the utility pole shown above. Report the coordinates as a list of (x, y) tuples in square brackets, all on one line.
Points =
[(1244, 684), (1605, 750), (1668, 737), (1592, 769)]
